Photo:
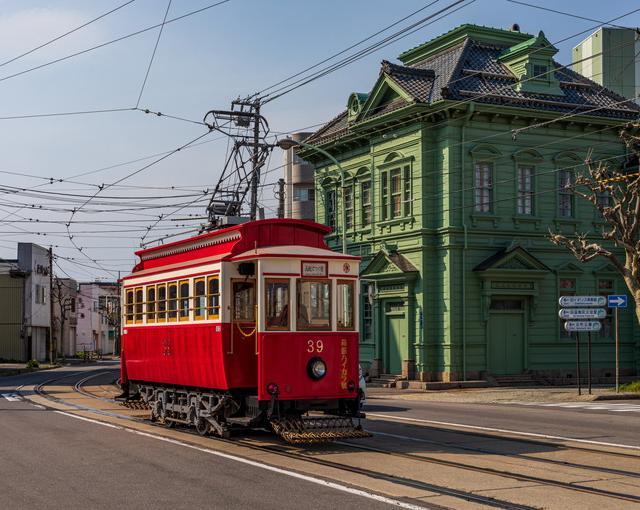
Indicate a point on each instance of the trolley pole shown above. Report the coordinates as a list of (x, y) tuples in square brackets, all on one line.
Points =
[(280, 197), (589, 360), (578, 363), (617, 352)]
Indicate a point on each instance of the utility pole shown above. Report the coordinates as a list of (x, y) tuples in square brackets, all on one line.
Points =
[(51, 346), (280, 194), (255, 173)]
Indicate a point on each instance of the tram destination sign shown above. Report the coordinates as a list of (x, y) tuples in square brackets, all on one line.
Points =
[(582, 313), (578, 301), (580, 326)]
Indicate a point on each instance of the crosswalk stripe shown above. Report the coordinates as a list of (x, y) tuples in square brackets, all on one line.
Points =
[(12, 397), (592, 406)]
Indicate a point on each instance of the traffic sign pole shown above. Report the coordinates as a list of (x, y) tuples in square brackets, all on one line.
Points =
[(578, 363), (617, 352), (589, 361)]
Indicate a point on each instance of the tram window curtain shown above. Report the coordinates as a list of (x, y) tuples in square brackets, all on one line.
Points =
[(151, 303), (129, 306), (139, 305), (172, 302), (213, 297), (161, 291), (184, 300), (277, 304), (345, 306), (314, 305), (199, 299)]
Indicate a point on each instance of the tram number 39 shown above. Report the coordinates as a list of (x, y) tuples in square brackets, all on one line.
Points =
[(315, 346)]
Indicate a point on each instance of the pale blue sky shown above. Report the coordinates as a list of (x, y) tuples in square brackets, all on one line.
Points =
[(202, 62)]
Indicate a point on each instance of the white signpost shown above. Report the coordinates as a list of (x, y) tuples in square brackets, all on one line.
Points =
[(582, 313), (576, 310), (583, 326), (567, 301)]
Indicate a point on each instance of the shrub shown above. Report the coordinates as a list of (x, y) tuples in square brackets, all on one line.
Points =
[(33, 363), (632, 387)]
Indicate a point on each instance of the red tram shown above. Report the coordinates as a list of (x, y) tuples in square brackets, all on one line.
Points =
[(252, 325)]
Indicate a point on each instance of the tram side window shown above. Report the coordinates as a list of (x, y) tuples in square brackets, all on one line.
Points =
[(129, 306), (314, 305), (199, 299), (151, 303), (277, 308), (345, 305), (213, 297), (162, 302), (139, 299), (172, 301), (184, 300), (244, 301)]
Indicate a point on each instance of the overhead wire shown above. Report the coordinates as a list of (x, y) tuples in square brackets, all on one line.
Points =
[(153, 54)]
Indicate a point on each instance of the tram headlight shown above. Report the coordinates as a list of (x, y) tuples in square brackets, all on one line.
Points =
[(316, 368)]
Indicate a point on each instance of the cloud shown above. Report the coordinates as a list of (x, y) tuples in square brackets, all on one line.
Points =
[(23, 30)]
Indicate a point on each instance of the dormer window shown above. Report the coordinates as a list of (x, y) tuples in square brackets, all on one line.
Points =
[(531, 62), (540, 72)]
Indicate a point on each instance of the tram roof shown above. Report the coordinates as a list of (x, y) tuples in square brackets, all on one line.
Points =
[(231, 242)]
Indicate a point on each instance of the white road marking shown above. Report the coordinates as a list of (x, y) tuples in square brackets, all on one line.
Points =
[(591, 406), (391, 417), (12, 397), (286, 472)]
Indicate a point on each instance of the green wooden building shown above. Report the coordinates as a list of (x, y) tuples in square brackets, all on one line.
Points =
[(454, 171)]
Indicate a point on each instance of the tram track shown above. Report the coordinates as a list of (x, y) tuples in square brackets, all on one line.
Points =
[(283, 450)]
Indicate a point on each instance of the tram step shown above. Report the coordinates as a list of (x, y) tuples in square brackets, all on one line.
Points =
[(243, 421)]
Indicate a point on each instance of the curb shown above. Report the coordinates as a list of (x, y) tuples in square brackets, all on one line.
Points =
[(8, 372), (618, 396)]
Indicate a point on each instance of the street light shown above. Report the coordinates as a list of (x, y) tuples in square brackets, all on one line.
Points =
[(289, 143)]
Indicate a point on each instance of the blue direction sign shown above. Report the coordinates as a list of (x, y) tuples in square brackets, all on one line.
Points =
[(617, 301), (566, 301)]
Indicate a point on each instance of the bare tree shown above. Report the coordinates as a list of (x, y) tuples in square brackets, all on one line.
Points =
[(616, 195), (65, 305)]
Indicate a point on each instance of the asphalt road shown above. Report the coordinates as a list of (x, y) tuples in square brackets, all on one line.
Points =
[(49, 460), (585, 423)]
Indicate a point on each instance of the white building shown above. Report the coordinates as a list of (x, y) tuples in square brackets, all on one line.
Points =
[(33, 260), (97, 312), (299, 199)]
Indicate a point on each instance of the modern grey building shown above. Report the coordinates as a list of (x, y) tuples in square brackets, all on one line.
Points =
[(299, 191), (609, 57)]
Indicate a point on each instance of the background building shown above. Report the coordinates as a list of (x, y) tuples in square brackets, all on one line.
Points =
[(33, 260), (456, 163), (97, 310), (12, 345), (299, 187), (609, 57), (65, 292)]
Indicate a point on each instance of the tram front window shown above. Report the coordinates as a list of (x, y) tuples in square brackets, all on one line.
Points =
[(345, 305), (314, 304), (277, 304), (243, 302)]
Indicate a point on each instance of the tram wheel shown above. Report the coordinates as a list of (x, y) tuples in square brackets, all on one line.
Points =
[(202, 426)]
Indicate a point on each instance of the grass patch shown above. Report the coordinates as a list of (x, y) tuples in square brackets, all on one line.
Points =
[(632, 387)]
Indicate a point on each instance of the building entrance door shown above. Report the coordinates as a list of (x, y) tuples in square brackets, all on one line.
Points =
[(396, 333), (506, 337)]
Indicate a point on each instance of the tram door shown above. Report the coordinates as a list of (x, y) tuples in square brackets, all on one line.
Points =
[(243, 311)]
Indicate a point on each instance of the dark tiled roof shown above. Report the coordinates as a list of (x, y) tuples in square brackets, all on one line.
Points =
[(471, 70), (403, 264)]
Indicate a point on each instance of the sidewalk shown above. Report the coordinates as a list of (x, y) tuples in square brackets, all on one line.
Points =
[(497, 395), (7, 369)]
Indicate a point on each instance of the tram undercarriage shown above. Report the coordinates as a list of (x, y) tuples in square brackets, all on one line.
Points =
[(217, 413)]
